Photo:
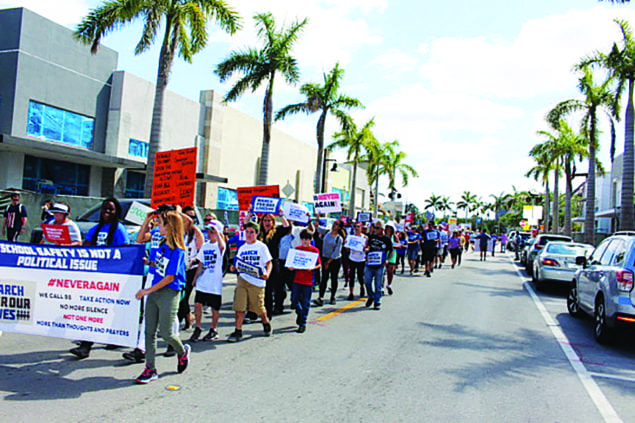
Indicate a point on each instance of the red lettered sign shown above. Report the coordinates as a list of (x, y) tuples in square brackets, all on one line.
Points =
[(246, 193), (57, 234), (174, 177)]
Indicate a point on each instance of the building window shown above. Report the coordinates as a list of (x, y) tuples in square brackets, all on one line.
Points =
[(54, 177), (227, 199), (135, 183), (53, 124), (137, 148)]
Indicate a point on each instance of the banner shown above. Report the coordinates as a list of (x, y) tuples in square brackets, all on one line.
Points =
[(375, 258), (137, 213), (327, 203), (298, 259), (409, 218), (244, 267), (246, 193), (85, 293), (295, 212), (356, 243), (453, 223), (57, 234), (174, 177), (265, 205), (364, 216)]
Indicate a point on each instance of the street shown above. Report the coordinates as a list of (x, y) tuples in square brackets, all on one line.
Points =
[(475, 343)]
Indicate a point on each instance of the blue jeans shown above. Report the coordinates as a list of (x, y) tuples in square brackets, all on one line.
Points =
[(374, 289), (301, 301)]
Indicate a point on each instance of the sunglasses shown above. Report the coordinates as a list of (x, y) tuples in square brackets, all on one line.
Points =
[(207, 220)]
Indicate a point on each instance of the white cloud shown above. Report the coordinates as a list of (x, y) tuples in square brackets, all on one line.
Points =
[(395, 61), (68, 15)]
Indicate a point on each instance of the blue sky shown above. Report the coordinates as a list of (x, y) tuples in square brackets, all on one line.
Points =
[(463, 85)]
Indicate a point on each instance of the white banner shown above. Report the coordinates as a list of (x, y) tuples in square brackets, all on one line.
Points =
[(356, 243), (265, 205), (298, 259), (296, 212), (327, 203)]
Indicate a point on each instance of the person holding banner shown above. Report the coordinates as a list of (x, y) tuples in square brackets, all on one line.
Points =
[(378, 250), (303, 282), (254, 265), (331, 255), (60, 212), (357, 259), (108, 232), (164, 295), (281, 278)]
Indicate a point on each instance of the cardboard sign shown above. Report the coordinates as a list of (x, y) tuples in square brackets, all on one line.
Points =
[(409, 218), (375, 258), (265, 205), (249, 269), (400, 227), (295, 212), (298, 259), (453, 223), (364, 216), (137, 213), (245, 194), (57, 234), (174, 177), (83, 293), (327, 203), (356, 243)]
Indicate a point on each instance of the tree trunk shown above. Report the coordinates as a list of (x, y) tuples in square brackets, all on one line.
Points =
[(547, 211), (376, 205), (589, 214), (556, 203), (628, 177), (319, 167), (266, 132), (353, 189), (567, 198)]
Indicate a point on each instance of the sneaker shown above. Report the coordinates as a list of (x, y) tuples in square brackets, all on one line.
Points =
[(136, 356), (81, 352), (112, 347), (377, 306), (147, 376), (184, 359), (369, 302), (301, 329), (332, 302), (318, 302), (389, 289), (427, 274), (235, 336), (169, 352), (211, 335), (362, 292), (267, 328), (350, 297), (195, 334)]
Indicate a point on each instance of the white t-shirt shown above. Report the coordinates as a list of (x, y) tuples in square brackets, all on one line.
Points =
[(256, 254), (210, 280), (73, 230)]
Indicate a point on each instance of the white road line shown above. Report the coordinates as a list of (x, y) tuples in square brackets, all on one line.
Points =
[(615, 377), (597, 396)]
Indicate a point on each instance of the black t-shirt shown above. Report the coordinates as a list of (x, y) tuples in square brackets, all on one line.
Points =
[(13, 216), (379, 243), (429, 238)]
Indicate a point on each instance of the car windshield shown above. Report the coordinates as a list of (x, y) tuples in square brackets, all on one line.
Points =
[(568, 249), (92, 215), (546, 239)]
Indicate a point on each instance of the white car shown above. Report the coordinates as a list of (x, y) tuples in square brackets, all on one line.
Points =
[(556, 262)]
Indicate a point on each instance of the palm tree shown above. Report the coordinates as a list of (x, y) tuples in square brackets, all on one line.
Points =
[(445, 204), (185, 31), (325, 99), (550, 152), (596, 98), (357, 143), (259, 66), (499, 202), (394, 165), (466, 202), (540, 172), (433, 202)]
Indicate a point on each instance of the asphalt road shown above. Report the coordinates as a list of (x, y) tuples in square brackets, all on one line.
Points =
[(469, 344)]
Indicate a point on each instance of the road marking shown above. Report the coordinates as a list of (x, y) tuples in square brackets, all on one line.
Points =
[(340, 310), (605, 408), (615, 377)]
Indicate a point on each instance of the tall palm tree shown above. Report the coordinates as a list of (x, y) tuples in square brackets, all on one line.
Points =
[(433, 202), (375, 159), (540, 172), (597, 97), (445, 205), (550, 152), (466, 202), (357, 142), (395, 166), (260, 66), (499, 202), (325, 99), (185, 33)]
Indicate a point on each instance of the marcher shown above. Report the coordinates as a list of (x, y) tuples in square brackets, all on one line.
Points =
[(483, 239), (303, 283), (430, 239), (194, 240), (15, 218), (378, 250), (504, 239), (208, 280), (401, 250), (454, 246), (60, 212), (357, 259), (391, 262), (164, 295), (414, 243), (280, 279), (331, 255)]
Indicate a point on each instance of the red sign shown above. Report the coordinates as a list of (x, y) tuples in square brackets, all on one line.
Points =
[(57, 234), (246, 193), (409, 218), (174, 177)]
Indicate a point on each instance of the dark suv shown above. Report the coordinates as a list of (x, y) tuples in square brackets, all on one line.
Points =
[(603, 287), (541, 241)]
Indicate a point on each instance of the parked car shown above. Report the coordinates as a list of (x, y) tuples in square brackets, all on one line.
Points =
[(517, 238), (556, 262), (539, 244), (603, 287), (523, 253)]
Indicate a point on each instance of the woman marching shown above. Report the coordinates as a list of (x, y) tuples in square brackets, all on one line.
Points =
[(357, 259), (281, 278), (164, 295), (194, 240), (331, 261), (108, 232), (392, 258)]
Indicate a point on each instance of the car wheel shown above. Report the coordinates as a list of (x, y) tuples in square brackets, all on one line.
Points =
[(573, 306), (529, 269), (603, 333)]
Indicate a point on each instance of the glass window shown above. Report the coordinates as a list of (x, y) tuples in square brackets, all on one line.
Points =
[(53, 124), (595, 257), (618, 247), (135, 183), (605, 260), (55, 177), (227, 199), (137, 148)]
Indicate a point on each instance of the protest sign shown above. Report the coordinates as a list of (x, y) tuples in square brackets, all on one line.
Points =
[(327, 203), (245, 194), (265, 204), (57, 234), (477, 245), (375, 258), (453, 223), (409, 218), (137, 213), (356, 243), (83, 293), (295, 212), (298, 259), (174, 177), (244, 267), (364, 216), (400, 227)]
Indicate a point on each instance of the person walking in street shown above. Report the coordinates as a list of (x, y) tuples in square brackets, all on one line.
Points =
[(280, 279), (391, 262), (15, 218), (430, 239), (414, 243), (483, 239), (331, 255), (357, 258), (303, 282), (60, 213), (378, 250), (194, 239), (454, 246)]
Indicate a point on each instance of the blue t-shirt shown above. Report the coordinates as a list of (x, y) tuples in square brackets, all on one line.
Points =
[(120, 236), (169, 262), (413, 237), (155, 241)]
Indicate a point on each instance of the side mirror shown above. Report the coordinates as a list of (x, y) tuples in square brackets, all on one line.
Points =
[(581, 261)]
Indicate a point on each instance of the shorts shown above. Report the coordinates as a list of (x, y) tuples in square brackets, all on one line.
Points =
[(455, 252), (207, 299), (412, 254), (427, 254), (441, 251), (248, 297)]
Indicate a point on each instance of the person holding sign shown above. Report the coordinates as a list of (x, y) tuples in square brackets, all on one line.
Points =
[(164, 295), (254, 266), (303, 282), (281, 279), (60, 212), (331, 257), (429, 241), (356, 245), (378, 250)]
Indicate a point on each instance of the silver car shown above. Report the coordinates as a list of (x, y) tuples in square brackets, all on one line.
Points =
[(556, 262)]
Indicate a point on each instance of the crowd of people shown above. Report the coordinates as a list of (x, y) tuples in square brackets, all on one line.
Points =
[(183, 257)]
